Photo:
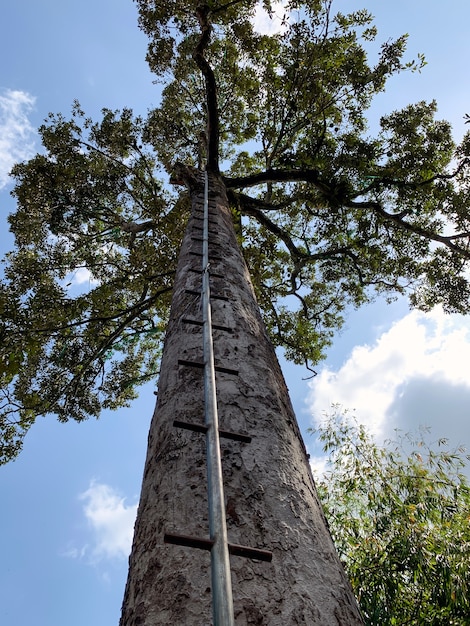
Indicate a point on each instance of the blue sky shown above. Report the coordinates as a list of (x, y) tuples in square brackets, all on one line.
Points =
[(68, 501)]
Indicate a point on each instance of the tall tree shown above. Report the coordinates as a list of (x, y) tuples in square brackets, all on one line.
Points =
[(326, 214), (270, 501)]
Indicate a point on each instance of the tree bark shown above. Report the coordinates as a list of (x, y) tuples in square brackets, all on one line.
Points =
[(270, 498)]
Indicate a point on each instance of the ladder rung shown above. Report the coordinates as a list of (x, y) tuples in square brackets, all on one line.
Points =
[(250, 553), (214, 296), (226, 370), (201, 323), (198, 210), (197, 428), (206, 544), (216, 257), (197, 364), (190, 542), (212, 274), (201, 428), (200, 239), (195, 217), (227, 434), (200, 365), (211, 232)]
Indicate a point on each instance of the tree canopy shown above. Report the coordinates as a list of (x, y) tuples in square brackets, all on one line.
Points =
[(399, 517), (329, 214)]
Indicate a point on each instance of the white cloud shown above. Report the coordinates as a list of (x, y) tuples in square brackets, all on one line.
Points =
[(75, 553), (17, 135), (416, 373), (111, 521), (83, 275), (278, 23)]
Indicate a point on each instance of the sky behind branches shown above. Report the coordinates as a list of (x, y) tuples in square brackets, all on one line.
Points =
[(69, 501)]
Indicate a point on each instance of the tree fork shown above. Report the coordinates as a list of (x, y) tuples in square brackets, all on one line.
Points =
[(271, 502)]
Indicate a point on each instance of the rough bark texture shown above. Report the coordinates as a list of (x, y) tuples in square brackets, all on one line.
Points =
[(271, 501)]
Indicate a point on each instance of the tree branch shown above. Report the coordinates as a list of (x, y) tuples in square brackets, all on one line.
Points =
[(212, 131), (250, 206), (224, 7), (278, 176), (413, 228), (117, 161), (139, 307), (392, 182), (135, 228)]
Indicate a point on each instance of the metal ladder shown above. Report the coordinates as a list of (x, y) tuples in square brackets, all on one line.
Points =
[(218, 544)]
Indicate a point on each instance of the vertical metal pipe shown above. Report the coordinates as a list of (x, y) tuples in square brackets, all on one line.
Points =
[(222, 602)]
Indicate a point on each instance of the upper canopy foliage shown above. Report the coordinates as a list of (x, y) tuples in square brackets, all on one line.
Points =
[(329, 213)]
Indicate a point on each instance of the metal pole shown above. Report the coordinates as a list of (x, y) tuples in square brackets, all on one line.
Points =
[(222, 602)]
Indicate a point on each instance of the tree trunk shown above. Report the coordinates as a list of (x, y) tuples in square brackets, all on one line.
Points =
[(270, 498)]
